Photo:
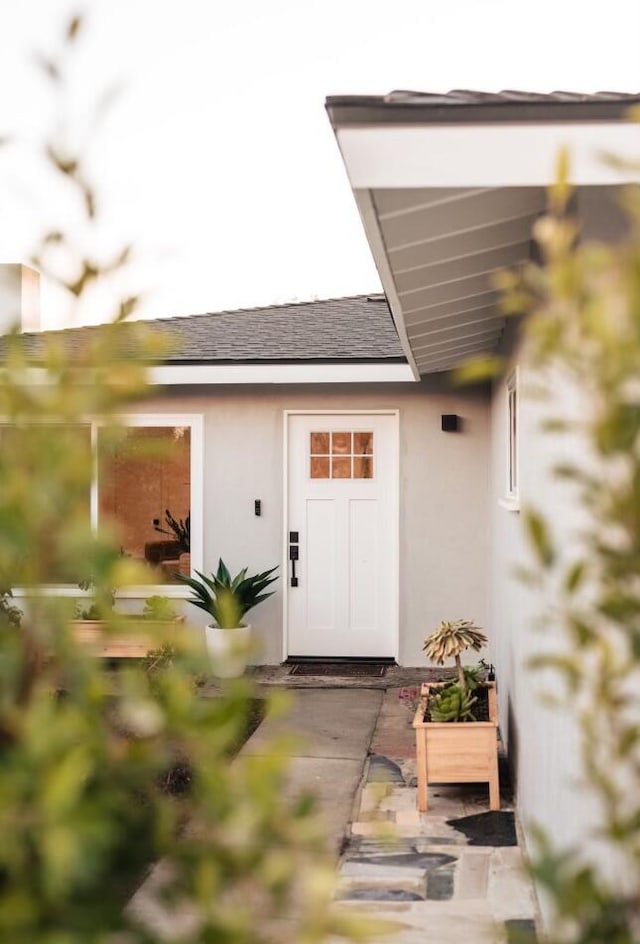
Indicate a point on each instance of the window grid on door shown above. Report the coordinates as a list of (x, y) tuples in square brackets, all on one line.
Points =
[(341, 454)]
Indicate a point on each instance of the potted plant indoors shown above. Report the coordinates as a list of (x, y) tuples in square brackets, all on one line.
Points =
[(180, 530), (227, 599), (456, 722)]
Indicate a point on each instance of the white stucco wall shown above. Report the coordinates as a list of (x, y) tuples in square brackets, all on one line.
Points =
[(443, 493), (543, 742)]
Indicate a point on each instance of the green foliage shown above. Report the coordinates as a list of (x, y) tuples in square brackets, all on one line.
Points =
[(158, 608), (100, 606), (583, 305), (451, 703), (85, 755), (228, 598), (475, 675), (539, 537), (10, 614)]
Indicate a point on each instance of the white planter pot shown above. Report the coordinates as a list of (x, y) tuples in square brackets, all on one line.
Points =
[(228, 650)]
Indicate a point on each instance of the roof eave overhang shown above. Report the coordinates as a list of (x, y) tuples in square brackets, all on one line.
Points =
[(284, 373), (169, 375), (482, 148), (353, 110)]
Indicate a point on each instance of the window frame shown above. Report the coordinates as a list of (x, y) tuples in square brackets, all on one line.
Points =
[(512, 451), (195, 423)]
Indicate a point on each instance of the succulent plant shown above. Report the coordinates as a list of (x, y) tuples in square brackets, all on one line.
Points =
[(451, 703), (228, 598), (450, 639)]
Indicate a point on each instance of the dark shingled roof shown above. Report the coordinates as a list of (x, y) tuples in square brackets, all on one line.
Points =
[(406, 107), (357, 329)]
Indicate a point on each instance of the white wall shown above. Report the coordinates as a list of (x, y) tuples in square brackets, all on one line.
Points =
[(543, 742), (443, 493)]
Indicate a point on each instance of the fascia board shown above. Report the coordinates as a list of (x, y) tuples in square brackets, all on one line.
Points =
[(498, 155), (212, 374)]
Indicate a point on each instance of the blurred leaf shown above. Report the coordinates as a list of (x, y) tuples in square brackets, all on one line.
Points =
[(49, 67), (479, 369), (575, 576), (66, 163), (73, 28), (539, 537)]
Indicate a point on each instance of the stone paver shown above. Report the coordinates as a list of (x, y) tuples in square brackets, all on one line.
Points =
[(426, 871), (441, 877)]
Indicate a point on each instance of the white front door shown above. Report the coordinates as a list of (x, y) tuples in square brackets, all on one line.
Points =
[(342, 523)]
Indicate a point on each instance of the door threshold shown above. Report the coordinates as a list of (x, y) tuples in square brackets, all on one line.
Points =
[(347, 660)]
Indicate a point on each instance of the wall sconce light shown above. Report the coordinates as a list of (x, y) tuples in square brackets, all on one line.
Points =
[(451, 423)]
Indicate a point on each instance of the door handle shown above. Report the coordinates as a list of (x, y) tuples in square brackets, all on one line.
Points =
[(293, 557)]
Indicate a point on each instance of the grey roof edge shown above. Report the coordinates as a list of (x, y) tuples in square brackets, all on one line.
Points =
[(406, 107), (177, 319), (279, 362)]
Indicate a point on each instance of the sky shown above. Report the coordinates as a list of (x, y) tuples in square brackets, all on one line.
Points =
[(217, 160)]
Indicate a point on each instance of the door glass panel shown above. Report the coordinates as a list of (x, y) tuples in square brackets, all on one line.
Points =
[(341, 455), (341, 467), (320, 444), (341, 444), (320, 467), (363, 444), (363, 467)]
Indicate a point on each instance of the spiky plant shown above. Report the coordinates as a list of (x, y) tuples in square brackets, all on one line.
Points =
[(228, 598), (450, 640)]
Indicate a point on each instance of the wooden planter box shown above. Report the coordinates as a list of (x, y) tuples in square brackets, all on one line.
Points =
[(457, 752), (145, 636)]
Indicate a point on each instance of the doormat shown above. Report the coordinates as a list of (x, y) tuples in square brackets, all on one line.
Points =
[(340, 669)]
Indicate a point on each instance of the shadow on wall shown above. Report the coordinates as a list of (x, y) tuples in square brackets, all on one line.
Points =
[(512, 741)]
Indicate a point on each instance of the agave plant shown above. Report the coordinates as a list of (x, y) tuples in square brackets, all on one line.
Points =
[(228, 598), (449, 640)]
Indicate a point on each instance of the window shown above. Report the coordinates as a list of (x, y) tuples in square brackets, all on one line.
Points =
[(341, 455), (32, 448), (144, 494), (512, 437), (146, 486)]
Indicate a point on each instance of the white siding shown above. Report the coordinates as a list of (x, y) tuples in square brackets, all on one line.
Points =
[(543, 742)]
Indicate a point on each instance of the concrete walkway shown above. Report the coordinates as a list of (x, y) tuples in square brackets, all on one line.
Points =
[(450, 875), (333, 728)]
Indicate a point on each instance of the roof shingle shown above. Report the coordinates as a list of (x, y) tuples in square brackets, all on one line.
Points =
[(357, 328)]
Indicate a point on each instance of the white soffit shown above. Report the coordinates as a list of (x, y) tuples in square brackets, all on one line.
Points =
[(437, 250), (485, 155), (445, 207)]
